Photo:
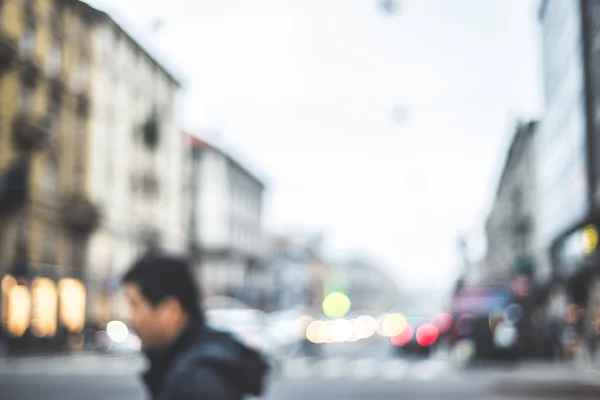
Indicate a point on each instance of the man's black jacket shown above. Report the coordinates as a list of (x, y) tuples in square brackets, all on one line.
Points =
[(205, 364)]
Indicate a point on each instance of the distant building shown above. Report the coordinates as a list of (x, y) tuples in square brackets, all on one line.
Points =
[(298, 271), (368, 287), (226, 224), (138, 161), (510, 225)]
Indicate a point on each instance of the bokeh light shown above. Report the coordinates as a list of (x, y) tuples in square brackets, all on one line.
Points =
[(19, 310), (427, 334), (313, 332), (72, 296), (380, 320), (505, 335), (394, 325), (370, 325), (340, 330), (589, 239), (403, 338), (44, 307), (463, 351), (336, 305), (443, 321), (117, 331), (513, 313), (324, 332), (358, 330)]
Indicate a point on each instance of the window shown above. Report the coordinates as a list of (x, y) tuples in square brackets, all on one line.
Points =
[(49, 246), (79, 79), (80, 134), (26, 100), (53, 118), (50, 180), (79, 175), (54, 60), (27, 44), (76, 259)]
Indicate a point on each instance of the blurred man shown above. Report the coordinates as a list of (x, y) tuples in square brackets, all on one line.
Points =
[(187, 359)]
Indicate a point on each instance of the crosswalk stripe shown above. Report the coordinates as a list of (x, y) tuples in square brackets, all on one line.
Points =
[(395, 369), (365, 368), (428, 370), (332, 368)]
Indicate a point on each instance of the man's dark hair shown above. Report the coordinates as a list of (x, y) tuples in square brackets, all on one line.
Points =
[(160, 276)]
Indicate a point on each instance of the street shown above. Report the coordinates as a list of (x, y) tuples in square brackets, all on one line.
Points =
[(348, 371)]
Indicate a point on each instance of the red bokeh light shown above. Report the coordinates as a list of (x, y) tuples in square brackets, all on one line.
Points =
[(427, 334), (442, 321), (403, 338)]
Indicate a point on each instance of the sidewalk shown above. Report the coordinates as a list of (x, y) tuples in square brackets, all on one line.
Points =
[(551, 380), (80, 363)]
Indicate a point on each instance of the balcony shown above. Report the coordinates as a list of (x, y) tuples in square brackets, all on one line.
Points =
[(79, 215), (29, 135), (30, 74), (151, 132), (8, 53), (146, 183), (14, 182), (523, 225), (83, 105), (57, 88)]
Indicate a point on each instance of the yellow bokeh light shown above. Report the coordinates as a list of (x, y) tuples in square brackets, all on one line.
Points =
[(45, 302), (394, 325), (340, 331), (72, 304), (369, 324), (19, 310), (379, 324), (8, 282), (324, 335), (589, 239), (313, 332), (358, 330), (336, 305)]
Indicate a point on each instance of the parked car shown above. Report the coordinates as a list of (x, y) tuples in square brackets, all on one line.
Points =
[(418, 338), (286, 332), (482, 316), (248, 325)]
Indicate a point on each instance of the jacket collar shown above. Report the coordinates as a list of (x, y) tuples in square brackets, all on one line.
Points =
[(160, 360)]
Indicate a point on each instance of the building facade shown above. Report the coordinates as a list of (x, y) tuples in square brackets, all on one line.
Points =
[(226, 223), (568, 144), (511, 223), (138, 162), (46, 213)]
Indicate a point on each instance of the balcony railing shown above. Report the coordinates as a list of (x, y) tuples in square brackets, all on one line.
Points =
[(30, 74), (83, 105), (79, 215), (29, 134), (8, 53)]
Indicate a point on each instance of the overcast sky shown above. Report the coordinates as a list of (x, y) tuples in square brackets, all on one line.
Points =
[(304, 91)]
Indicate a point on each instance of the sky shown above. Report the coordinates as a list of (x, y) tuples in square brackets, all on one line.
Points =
[(386, 132)]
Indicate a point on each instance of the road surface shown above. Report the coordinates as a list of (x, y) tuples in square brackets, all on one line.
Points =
[(362, 371)]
